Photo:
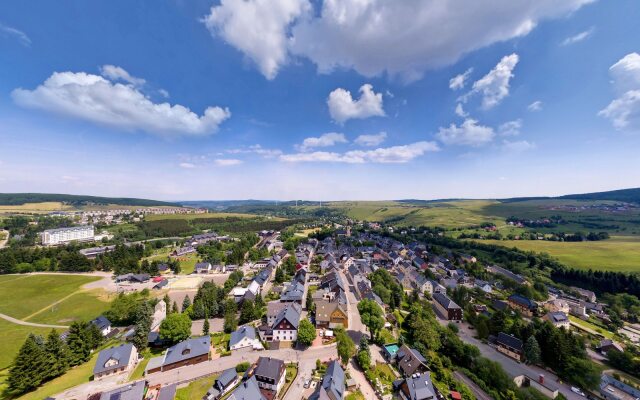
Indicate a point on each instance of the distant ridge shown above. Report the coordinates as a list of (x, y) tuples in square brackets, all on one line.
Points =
[(16, 199), (624, 195)]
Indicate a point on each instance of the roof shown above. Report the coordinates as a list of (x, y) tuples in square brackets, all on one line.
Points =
[(187, 349), (291, 313), (332, 384), (557, 317), (132, 391), (614, 387), (241, 333), (418, 387), (444, 301), (325, 308), (409, 360), (167, 392), (268, 367), (247, 390), (523, 301), (101, 322), (121, 354), (510, 341)]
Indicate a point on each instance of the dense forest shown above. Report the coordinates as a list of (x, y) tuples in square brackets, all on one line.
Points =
[(16, 199)]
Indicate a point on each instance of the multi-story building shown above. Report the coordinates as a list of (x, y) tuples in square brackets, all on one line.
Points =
[(270, 373), (53, 237)]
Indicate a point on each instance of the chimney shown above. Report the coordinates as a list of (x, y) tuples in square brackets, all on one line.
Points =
[(541, 379)]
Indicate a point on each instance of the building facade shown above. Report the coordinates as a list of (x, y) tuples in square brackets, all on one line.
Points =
[(53, 237)]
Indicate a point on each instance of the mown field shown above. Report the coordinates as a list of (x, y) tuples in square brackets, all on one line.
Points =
[(36, 208), (197, 216), (620, 253)]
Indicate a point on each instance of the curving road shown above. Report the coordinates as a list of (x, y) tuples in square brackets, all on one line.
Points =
[(25, 323)]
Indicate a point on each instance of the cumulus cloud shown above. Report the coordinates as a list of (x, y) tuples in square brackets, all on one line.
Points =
[(517, 146), (578, 37), (96, 99), (469, 133), (8, 31), (624, 111), (375, 37), (535, 106), (494, 86), (342, 106), (371, 140), (458, 81), (227, 162), (187, 165), (510, 128), (460, 112), (258, 28), (256, 149), (325, 140), (116, 73), (387, 155)]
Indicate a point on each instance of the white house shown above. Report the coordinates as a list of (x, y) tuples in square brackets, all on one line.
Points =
[(245, 337)]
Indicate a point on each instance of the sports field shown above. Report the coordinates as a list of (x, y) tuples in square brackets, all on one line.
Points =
[(620, 253)]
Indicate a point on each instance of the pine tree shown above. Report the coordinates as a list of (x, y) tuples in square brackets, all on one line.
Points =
[(186, 303), (532, 350), (174, 308), (58, 355), (78, 344), (167, 301), (205, 325), (29, 367), (143, 326)]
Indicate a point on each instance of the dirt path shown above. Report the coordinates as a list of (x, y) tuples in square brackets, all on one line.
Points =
[(20, 322)]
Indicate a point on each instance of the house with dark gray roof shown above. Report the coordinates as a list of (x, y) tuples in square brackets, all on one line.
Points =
[(526, 306), (333, 384), (247, 390), (410, 361), (245, 337), (188, 352), (167, 392), (269, 373), (446, 307), (227, 379), (103, 324), (115, 360), (508, 345), (132, 391), (416, 387), (294, 292)]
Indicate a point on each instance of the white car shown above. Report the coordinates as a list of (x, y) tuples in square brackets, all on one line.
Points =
[(578, 391)]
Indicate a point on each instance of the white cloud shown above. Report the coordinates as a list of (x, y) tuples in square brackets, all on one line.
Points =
[(578, 37), (227, 162), (374, 37), (343, 107), (96, 99), (187, 165), (371, 140), (325, 140), (469, 133), (388, 155), (163, 93), (510, 128), (9, 31), (535, 106), (494, 86), (517, 146), (258, 28), (115, 73), (624, 111), (458, 81), (460, 112)]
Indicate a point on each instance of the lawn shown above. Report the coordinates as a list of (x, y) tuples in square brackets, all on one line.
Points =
[(291, 374), (21, 296), (13, 336), (147, 355), (620, 253), (83, 306), (155, 217), (35, 208), (196, 389), (591, 327)]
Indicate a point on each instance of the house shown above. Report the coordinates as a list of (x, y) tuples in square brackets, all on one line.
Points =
[(167, 392), (558, 319), (163, 268), (103, 325), (483, 285), (270, 373), (410, 361), (203, 268), (293, 292), (546, 387), (183, 251), (284, 326), (331, 314), (333, 384), (585, 294), (247, 390), (446, 307), (115, 360), (159, 314), (416, 387), (273, 309), (613, 389), (133, 278), (189, 352), (606, 345), (509, 345), (557, 305), (131, 391), (468, 259), (227, 379), (526, 306), (494, 269), (245, 337), (161, 284)]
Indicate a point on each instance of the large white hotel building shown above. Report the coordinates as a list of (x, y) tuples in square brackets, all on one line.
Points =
[(52, 237)]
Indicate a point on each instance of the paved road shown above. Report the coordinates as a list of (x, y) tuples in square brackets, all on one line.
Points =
[(475, 389), (25, 323)]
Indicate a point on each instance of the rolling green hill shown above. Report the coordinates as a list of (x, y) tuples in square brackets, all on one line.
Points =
[(15, 199)]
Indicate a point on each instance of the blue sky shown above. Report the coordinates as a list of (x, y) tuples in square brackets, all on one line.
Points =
[(324, 100)]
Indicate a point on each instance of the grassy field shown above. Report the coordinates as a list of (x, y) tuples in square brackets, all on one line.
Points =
[(196, 389), (620, 253), (13, 336), (23, 295), (194, 216), (36, 208), (83, 306)]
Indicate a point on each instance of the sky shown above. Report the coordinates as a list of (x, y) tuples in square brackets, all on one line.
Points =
[(319, 100)]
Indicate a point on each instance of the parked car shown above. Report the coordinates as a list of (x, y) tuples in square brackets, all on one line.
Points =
[(578, 391)]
